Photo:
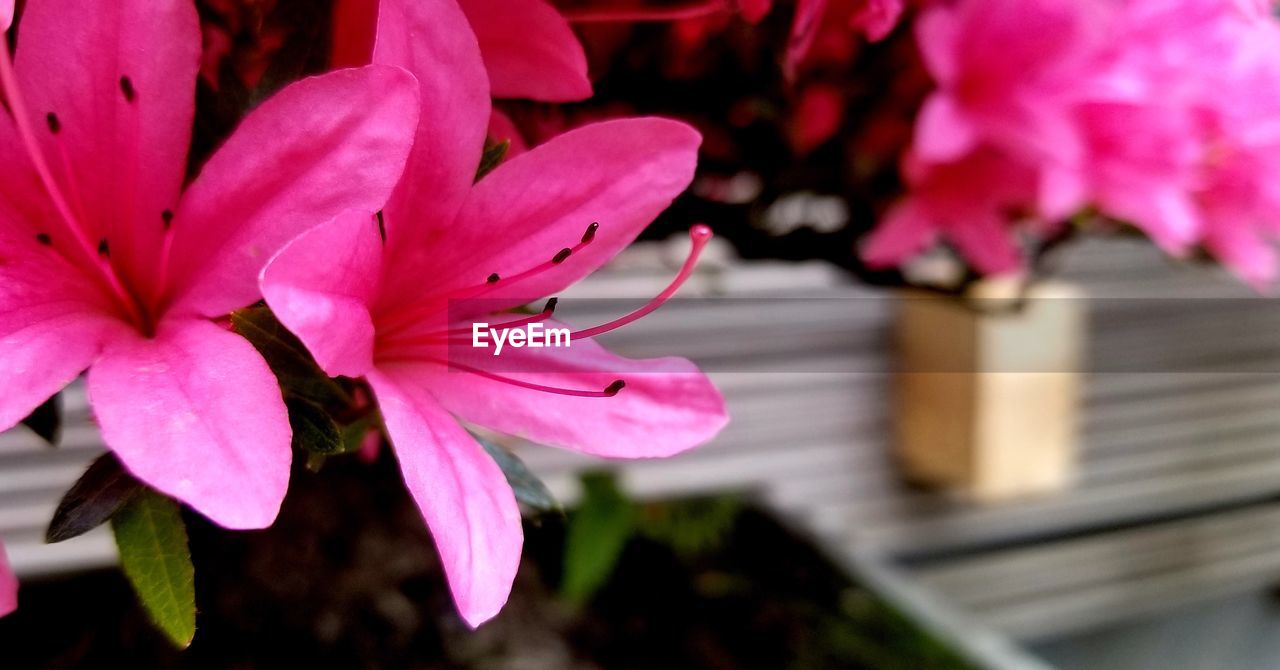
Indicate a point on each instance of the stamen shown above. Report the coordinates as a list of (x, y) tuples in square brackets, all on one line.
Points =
[(449, 336), (701, 235), (609, 391), (104, 249), (167, 218), (55, 125), (126, 87), (492, 283), (43, 238)]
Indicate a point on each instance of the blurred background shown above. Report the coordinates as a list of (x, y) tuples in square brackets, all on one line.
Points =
[(1078, 467)]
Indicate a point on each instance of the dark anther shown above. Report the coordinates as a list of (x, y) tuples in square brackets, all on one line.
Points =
[(560, 257), (493, 278), (382, 226), (55, 126), (591, 233), (167, 217), (126, 87), (43, 238), (612, 389), (551, 306), (103, 249)]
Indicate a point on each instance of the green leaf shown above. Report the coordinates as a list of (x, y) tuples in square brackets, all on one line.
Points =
[(313, 429), (289, 359), (99, 493), (153, 552), (46, 420), (598, 532), (494, 152), (528, 488)]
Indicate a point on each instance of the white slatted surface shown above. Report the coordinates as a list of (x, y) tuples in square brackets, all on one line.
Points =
[(815, 444)]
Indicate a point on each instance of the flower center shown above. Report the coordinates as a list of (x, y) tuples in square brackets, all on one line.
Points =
[(700, 235), (68, 234)]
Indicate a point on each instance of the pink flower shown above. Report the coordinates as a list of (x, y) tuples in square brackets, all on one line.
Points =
[(107, 264), (8, 586), (875, 19), (387, 311), (966, 202)]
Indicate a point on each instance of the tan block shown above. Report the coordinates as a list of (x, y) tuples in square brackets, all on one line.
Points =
[(987, 398)]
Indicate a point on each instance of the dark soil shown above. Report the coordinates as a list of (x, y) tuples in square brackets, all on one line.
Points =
[(348, 578)]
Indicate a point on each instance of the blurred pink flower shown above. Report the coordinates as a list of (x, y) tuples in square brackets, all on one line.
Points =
[(966, 203), (107, 264), (874, 19), (1160, 113), (389, 310)]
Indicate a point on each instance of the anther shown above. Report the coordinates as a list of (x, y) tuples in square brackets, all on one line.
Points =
[(562, 256), (126, 87), (551, 306), (167, 217), (55, 125), (493, 278), (591, 232), (612, 389), (104, 249), (43, 238)]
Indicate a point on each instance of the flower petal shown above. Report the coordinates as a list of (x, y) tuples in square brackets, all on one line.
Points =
[(529, 50), (53, 324), (8, 585), (6, 14), (667, 406), (432, 39), (320, 287), (320, 147), (462, 493), (120, 77), (620, 173), (196, 413)]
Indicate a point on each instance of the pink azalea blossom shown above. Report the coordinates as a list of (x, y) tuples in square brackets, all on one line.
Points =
[(382, 310), (1159, 113), (874, 19), (8, 586), (106, 263), (966, 203)]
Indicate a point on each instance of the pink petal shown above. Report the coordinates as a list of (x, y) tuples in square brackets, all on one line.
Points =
[(753, 11), (196, 413), (53, 323), (620, 173), (320, 147), (126, 141), (943, 132), (6, 14), (8, 586), (432, 39), (463, 495), (320, 287), (529, 50), (903, 232), (804, 30), (667, 406)]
